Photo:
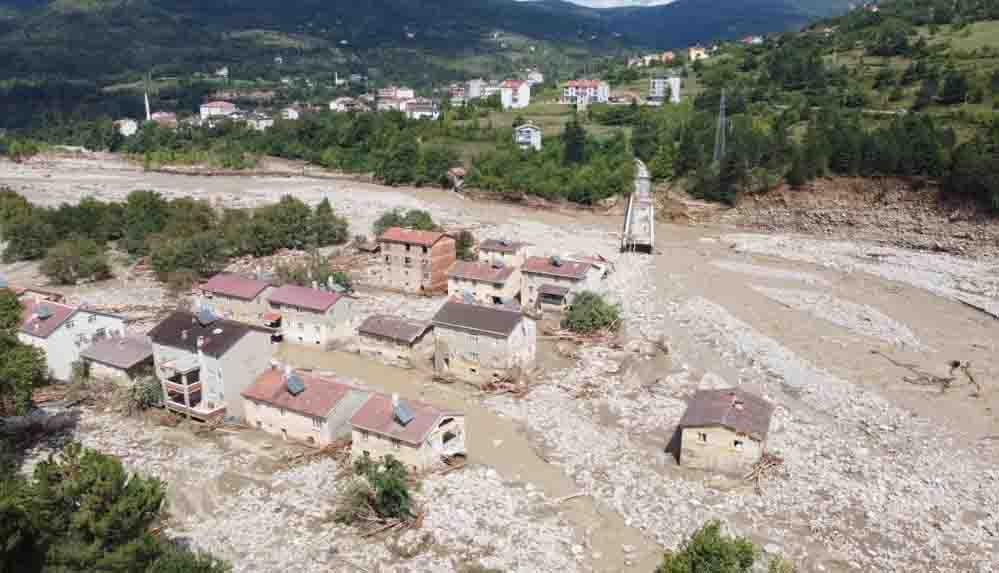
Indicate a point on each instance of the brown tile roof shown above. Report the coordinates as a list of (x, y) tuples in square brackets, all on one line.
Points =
[(235, 286), (477, 319), (376, 416), (35, 325), (553, 290), (501, 246), (393, 328), (730, 408), (304, 297), (320, 396), (181, 330), (410, 236), (482, 272), (566, 269), (120, 352)]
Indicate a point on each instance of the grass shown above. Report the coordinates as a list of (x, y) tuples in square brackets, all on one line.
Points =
[(972, 37)]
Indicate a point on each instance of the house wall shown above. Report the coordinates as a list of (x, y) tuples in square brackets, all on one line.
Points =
[(299, 326), (420, 458), (62, 347), (533, 281), (515, 259), (483, 292), (395, 353), (236, 370), (481, 358), (249, 311), (286, 423), (426, 269), (718, 452)]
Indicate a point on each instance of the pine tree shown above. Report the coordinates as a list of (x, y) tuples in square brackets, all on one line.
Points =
[(574, 143)]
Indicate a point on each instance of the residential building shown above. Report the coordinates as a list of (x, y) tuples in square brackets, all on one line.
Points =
[(475, 88), (515, 94), (667, 57), (421, 108), (752, 40), (416, 261), (235, 297), (457, 92), (291, 113), (217, 109), (527, 136), (164, 118), (259, 121), (695, 53), (394, 92), (551, 283), (390, 104), (301, 406), (535, 77), (119, 358), (343, 104), (127, 127), (63, 331), (724, 430), (394, 339), (484, 282), (417, 434), (479, 343), (665, 87), (309, 315), (489, 89), (510, 253), (592, 91), (203, 362), (456, 176)]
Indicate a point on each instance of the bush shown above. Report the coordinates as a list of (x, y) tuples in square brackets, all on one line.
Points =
[(412, 219), (464, 244), (143, 394), (590, 313), (708, 551), (380, 491), (69, 262)]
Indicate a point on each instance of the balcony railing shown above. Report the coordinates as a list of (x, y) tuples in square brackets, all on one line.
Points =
[(198, 411)]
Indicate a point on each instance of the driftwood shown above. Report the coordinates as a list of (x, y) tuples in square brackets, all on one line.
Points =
[(566, 498), (921, 378), (766, 467)]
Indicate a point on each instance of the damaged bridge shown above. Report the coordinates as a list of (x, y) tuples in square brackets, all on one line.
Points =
[(639, 220)]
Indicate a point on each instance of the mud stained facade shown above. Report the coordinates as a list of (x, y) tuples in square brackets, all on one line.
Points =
[(479, 344), (416, 261)]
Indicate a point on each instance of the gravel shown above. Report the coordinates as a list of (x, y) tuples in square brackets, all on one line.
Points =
[(770, 272)]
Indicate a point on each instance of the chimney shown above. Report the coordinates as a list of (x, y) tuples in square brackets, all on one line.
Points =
[(183, 334), (315, 285), (259, 273), (395, 400), (201, 342), (287, 371)]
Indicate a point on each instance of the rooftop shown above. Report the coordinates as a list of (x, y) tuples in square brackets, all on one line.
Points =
[(393, 328), (182, 330), (120, 352), (731, 408), (235, 286), (378, 417), (410, 236), (319, 397), (304, 297), (482, 272), (563, 268), (584, 83), (477, 318), (43, 318), (501, 246)]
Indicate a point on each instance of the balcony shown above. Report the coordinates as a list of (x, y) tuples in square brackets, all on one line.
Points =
[(199, 411)]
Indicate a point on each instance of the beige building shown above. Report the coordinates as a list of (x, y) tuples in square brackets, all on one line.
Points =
[(119, 358), (419, 435), (310, 316), (416, 261), (235, 297), (510, 253), (551, 283), (724, 430), (484, 283), (299, 406), (395, 340), (478, 343)]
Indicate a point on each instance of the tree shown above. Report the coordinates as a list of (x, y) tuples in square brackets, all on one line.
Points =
[(10, 312), (22, 367), (28, 237), (643, 139), (413, 219), (328, 228), (73, 260), (146, 213), (955, 89), (379, 490), (708, 551), (464, 243), (573, 143), (590, 313), (199, 254)]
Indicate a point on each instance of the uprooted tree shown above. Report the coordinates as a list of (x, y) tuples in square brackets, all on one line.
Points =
[(378, 494), (590, 313)]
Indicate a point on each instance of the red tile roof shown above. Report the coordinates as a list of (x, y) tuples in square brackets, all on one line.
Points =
[(235, 286), (304, 297), (583, 83), (411, 236), (43, 327), (376, 416), (482, 272), (512, 83), (567, 269), (320, 396)]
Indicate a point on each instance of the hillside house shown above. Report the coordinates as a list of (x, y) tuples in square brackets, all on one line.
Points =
[(551, 283), (724, 430), (394, 92), (203, 362), (394, 339), (235, 297), (474, 90), (588, 91), (695, 53), (63, 331), (259, 121), (119, 358), (309, 315), (515, 94), (510, 253), (535, 77), (291, 113), (416, 261), (301, 406), (456, 177), (344, 105), (421, 108), (665, 87), (491, 282), (667, 57), (419, 435), (164, 119), (126, 127), (217, 109), (478, 343), (527, 136)]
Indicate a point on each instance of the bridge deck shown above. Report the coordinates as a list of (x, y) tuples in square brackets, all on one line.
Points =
[(639, 220)]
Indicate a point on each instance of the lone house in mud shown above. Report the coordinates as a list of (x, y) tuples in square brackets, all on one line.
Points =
[(479, 343), (417, 434), (416, 261), (724, 430)]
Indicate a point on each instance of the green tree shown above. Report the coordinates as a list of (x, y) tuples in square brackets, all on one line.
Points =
[(200, 254), (464, 244), (73, 260), (413, 219), (708, 551), (22, 367), (328, 228), (590, 313), (28, 237), (10, 312), (573, 143), (146, 213), (661, 167), (955, 89)]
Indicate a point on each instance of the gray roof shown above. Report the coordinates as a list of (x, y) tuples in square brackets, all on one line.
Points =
[(730, 408), (477, 319), (121, 353), (393, 328), (181, 330)]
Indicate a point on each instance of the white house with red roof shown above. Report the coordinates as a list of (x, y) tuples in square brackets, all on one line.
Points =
[(64, 331), (235, 297), (515, 94), (585, 91), (217, 109), (311, 316)]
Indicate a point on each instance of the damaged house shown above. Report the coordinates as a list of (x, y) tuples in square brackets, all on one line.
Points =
[(417, 434), (510, 253), (310, 315), (485, 283), (235, 297), (119, 358), (416, 261), (551, 283), (724, 430), (394, 339), (479, 343)]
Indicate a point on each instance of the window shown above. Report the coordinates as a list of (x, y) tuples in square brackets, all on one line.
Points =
[(409, 260), (92, 318), (101, 334), (737, 444), (407, 248), (70, 324), (702, 436), (424, 250), (388, 258)]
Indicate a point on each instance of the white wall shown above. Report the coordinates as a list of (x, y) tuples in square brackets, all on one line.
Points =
[(62, 347)]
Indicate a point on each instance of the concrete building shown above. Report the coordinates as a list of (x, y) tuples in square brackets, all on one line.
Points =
[(421, 108), (510, 253), (203, 362), (165, 119), (127, 127), (291, 113), (527, 136), (398, 341), (551, 283), (344, 104), (119, 358), (395, 92), (695, 53), (300, 406), (515, 94), (491, 282), (479, 343), (63, 331), (235, 297), (310, 316), (535, 77), (217, 109), (588, 91), (417, 434), (665, 87), (724, 430), (416, 261)]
